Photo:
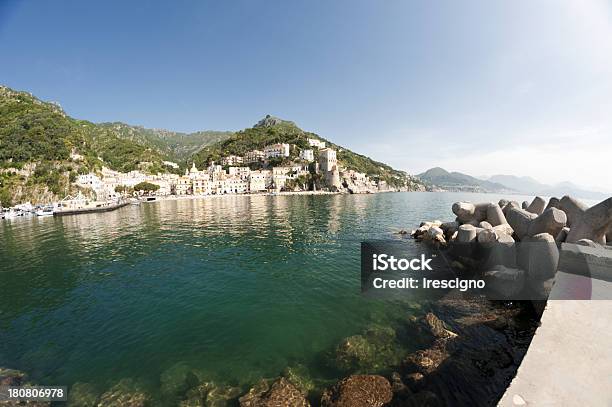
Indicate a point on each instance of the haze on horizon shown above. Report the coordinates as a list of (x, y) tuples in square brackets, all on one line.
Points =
[(483, 88)]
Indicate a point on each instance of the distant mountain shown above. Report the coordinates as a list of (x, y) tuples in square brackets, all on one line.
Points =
[(456, 181), (175, 146), (530, 186)]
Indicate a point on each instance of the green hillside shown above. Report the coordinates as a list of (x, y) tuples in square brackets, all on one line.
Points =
[(37, 139), (174, 145), (38, 143), (271, 130)]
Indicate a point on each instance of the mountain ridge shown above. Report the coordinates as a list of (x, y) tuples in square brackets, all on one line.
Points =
[(457, 181), (42, 149)]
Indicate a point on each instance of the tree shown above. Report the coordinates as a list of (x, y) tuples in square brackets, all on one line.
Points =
[(146, 187)]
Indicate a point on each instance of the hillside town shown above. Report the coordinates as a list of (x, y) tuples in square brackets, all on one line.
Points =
[(314, 169), (233, 175)]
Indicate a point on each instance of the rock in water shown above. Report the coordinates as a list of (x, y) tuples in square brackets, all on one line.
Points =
[(124, 394), (371, 350), (83, 395), (281, 394), (358, 391)]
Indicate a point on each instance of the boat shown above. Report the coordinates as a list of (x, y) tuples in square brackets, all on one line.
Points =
[(11, 214), (45, 211)]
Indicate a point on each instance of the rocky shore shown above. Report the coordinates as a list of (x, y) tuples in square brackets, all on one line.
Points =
[(467, 357)]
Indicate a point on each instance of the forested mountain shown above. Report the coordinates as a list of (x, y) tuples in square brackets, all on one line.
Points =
[(174, 145), (42, 150), (272, 130)]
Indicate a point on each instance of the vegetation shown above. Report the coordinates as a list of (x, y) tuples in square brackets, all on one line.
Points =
[(39, 137), (259, 136), (146, 187), (175, 146), (42, 150)]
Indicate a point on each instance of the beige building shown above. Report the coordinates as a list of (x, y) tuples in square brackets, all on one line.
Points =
[(259, 181), (254, 156), (327, 159), (241, 172), (232, 160), (307, 155), (276, 150)]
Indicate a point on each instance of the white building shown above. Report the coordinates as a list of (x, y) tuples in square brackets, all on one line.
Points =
[(215, 170), (259, 180), (184, 186), (201, 186), (240, 172), (171, 164), (90, 180), (231, 160), (281, 170), (328, 160), (254, 156), (313, 142), (307, 155), (276, 150)]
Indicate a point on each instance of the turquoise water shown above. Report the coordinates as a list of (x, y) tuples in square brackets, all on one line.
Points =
[(236, 287)]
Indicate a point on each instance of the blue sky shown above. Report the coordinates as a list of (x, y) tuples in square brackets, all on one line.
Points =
[(481, 87)]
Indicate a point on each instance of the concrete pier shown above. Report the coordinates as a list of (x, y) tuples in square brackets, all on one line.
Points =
[(569, 361)]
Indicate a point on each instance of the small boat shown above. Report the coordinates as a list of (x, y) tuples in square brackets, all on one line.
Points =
[(46, 211), (10, 214)]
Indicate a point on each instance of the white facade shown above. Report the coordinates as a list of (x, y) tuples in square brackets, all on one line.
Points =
[(259, 180), (241, 172), (254, 156), (327, 159), (90, 180), (231, 160), (171, 164), (277, 150), (307, 155), (313, 142)]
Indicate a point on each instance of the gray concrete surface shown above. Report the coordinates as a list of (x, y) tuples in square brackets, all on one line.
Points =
[(569, 361)]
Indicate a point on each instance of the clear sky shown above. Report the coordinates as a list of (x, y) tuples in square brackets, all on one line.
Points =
[(482, 87)]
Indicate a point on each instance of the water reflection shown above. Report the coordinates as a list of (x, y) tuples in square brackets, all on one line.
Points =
[(238, 286)]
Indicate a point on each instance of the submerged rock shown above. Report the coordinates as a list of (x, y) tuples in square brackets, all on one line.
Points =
[(374, 349), (222, 396), (358, 391), (424, 330), (280, 394), (208, 394), (83, 395), (177, 380), (124, 394), (298, 376), (11, 377)]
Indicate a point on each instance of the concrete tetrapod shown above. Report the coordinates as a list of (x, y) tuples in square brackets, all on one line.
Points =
[(537, 205), (573, 208), (551, 221), (468, 212), (538, 256), (519, 220), (592, 224)]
